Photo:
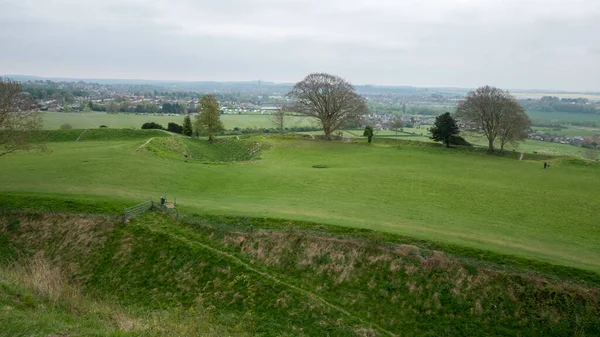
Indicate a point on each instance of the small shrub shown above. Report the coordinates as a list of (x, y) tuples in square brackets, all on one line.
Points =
[(66, 126), (152, 125), (103, 126), (175, 128)]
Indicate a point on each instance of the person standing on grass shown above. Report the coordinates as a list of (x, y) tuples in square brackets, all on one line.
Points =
[(545, 165)]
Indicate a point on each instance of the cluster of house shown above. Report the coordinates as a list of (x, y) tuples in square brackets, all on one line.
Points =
[(384, 121), (577, 140)]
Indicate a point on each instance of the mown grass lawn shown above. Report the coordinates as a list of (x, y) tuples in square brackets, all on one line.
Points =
[(446, 195)]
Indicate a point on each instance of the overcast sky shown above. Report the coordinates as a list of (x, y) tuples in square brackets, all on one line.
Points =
[(544, 44)]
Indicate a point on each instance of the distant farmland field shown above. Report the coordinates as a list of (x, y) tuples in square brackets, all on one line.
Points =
[(92, 120), (563, 116)]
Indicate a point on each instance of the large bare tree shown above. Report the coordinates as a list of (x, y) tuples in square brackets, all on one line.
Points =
[(514, 126), (490, 110), (328, 98), (18, 120)]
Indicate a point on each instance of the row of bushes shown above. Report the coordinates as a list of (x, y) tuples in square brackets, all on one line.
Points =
[(67, 126), (171, 127)]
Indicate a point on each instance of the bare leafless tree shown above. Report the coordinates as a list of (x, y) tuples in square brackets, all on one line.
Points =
[(328, 98), (278, 119), (396, 124), (488, 109), (18, 120), (514, 126)]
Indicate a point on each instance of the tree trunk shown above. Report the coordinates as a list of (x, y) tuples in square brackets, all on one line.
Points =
[(327, 132), (447, 143), (501, 147), (490, 146)]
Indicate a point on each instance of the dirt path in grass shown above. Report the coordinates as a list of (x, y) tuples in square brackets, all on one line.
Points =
[(144, 145), (81, 134)]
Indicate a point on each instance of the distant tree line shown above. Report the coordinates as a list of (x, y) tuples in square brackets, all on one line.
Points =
[(49, 92), (555, 104), (125, 106), (176, 108)]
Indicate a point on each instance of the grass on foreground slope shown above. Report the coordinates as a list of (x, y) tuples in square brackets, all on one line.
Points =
[(274, 280), (37, 299)]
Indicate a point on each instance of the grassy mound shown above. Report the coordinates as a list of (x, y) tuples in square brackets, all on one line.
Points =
[(276, 281), (223, 150)]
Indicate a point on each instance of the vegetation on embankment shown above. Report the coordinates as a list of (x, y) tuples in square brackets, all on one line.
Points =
[(221, 151), (274, 278)]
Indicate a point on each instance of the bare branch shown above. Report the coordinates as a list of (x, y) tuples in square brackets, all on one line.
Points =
[(18, 121)]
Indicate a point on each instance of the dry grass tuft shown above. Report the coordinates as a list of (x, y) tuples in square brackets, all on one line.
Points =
[(396, 265), (478, 308), (45, 280), (437, 261), (63, 237), (365, 332)]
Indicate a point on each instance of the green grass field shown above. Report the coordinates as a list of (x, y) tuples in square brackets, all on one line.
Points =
[(93, 120), (563, 116), (528, 146), (570, 131), (424, 191)]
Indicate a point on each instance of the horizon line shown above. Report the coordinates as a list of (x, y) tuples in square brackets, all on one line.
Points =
[(84, 79)]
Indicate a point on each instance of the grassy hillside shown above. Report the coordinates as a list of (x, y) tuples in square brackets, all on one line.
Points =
[(424, 191), (267, 278)]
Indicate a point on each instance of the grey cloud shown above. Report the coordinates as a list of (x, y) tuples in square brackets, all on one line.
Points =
[(511, 43)]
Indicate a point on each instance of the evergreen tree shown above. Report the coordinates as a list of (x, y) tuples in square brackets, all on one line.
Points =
[(368, 132), (445, 129), (208, 121), (187, 126)]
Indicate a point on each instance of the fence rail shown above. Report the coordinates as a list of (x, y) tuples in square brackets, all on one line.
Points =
[(132, 212)]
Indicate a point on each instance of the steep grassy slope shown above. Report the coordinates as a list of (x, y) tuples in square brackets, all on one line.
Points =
[(37, 299), (221, 151), (470, 199), (276, 280)]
